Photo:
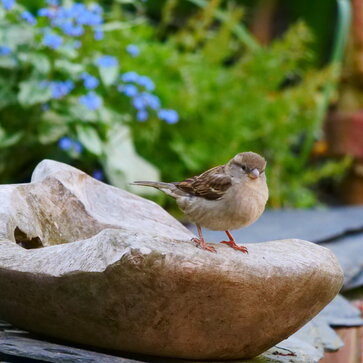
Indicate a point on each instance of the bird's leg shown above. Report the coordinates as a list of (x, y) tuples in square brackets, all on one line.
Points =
[(232, 243), (201, 242)]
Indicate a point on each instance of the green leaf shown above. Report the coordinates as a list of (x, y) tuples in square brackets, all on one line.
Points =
[(7, 140), (40, 62), (31, 93), (7, 94), (80, 112), (89, 138), (18, 34), (73, 69), (8, 62), (109, 74), (122, 164), (116, 25), (51, 128)]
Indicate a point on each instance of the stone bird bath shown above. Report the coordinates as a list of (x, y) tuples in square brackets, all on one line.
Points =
[(92, 264)]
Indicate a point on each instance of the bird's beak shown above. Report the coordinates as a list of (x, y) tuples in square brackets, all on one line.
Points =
[(254, 174)]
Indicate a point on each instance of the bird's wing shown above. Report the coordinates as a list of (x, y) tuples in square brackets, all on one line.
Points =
[(210, 185)]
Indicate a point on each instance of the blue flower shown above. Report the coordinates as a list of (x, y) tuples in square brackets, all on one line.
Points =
[(52, 40), (128, 89), (77, 147), (96, 8), (130, 77), (88, 18), (139, 103), (146, 82), (4, 50), (151, 100), (98, 34), (8, 4), (28, 17), (76, 10), (89, 81), (77, 31), (65, 143), (98, 174), (91, 101), (107, 61), (142, 115), (46, 12), (170, 116), (60, 89), (70, 29), (133, 50), (53, 2)]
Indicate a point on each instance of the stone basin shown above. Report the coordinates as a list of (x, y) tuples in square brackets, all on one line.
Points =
[(92, 264)]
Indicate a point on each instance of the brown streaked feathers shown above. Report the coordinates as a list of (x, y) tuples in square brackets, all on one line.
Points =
[(223, 198), (210, 185)]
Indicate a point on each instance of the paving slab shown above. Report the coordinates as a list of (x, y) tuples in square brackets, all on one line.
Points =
[(315, 225), (349, 251)]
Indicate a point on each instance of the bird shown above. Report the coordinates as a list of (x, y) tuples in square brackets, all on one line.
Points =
[(223, 198)]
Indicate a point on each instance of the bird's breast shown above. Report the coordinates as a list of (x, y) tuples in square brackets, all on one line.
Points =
[(239, 207), (249, 206)]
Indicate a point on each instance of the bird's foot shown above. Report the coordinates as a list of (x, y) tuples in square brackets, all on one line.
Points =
[(235, 246), (201, 243)]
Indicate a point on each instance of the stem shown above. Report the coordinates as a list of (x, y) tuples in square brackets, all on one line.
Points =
[(238, 29), (341, 36)]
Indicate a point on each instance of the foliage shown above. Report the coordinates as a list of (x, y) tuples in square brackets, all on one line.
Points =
[(96, 94), (59, 84), (231, 98)]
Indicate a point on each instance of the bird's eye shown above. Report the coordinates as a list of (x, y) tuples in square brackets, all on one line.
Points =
[(243, 167)]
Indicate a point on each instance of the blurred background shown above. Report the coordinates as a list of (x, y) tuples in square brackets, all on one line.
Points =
[(128, 90), (165, 89)]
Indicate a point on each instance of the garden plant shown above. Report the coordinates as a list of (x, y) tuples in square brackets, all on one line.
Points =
[(124, 98)]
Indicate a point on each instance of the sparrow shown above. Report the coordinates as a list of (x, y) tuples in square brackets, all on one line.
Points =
[(223, 198)]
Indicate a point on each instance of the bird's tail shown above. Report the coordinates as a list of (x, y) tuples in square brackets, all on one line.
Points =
[(153, 184), (168, 188)]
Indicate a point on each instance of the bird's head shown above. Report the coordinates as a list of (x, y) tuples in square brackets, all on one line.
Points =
[(247, 164)]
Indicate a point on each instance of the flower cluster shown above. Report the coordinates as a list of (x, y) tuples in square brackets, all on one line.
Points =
[(64, 26), (28, 17), (139, 88), (73, 20), (170, 116), (91, 100), (65, 22), (58, 89), (8, 4), (89, 81), (52, 40)]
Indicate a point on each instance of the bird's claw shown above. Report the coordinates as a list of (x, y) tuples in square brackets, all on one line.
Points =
[(201, 243), (235, 246)]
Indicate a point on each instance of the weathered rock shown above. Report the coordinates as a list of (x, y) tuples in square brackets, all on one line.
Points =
[(130, 279)]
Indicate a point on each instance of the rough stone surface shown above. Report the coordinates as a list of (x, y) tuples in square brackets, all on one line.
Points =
[(130, 279)]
